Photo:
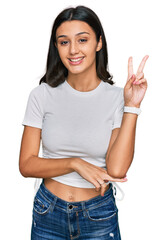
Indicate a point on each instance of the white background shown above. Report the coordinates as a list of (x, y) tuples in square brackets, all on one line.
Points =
[(132, 28)]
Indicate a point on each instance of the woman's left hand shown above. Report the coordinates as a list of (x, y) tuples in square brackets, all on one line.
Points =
[(136, 85)]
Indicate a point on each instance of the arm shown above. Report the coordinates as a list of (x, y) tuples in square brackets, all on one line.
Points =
[(45, 167), (121, 148), (30, 165), (121, 151)]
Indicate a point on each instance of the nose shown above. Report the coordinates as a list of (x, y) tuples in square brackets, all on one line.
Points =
[(74, 48)]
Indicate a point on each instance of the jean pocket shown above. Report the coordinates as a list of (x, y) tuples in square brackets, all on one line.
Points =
[(41, 203), (104, 211)]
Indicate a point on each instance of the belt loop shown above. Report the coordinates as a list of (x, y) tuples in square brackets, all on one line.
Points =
[(83, 208)]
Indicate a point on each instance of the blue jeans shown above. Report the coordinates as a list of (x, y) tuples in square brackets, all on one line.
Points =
[(55, 218)]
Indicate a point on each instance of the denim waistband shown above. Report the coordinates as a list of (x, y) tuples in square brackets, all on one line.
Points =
[(76, 206)]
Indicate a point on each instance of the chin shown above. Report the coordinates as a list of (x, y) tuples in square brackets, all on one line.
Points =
[(77, 71)]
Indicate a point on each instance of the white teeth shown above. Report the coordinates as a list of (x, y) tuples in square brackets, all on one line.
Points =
[(76, 60)]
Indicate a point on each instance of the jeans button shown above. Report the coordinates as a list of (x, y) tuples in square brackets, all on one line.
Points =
[(70, 206)]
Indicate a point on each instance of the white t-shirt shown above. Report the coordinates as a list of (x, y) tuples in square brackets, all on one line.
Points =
[(75, 124)]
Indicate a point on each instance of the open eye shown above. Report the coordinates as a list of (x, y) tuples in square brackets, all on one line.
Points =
[(83, 40), (63, 42)]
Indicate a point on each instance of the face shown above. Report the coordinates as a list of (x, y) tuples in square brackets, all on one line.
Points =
[(77, 46)]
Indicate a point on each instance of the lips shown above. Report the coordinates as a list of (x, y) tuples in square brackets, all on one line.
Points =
[(76, 59)]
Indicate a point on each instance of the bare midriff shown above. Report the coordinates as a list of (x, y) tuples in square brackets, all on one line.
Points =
[(69, 193)]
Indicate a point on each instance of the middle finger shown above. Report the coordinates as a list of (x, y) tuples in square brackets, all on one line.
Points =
[(142, 64)]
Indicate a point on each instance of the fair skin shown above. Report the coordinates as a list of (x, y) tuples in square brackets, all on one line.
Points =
[(123, 141), (77, 39), (80, 41)]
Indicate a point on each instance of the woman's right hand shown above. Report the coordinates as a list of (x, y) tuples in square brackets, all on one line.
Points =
[(94, 174)]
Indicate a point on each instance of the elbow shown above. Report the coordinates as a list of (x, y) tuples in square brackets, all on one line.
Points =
[(117, 173), (23, 170), (119, 170)]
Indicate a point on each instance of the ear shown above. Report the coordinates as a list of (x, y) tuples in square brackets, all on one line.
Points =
[(55, 44), (99, 45)]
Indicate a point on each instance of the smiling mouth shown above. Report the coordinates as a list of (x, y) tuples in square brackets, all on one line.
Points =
[(75, 59)]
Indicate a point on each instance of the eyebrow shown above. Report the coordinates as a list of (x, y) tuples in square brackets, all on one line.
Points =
[(75, 34)]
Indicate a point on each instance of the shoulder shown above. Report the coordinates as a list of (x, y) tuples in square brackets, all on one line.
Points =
[(114, 94), (37, 94), (41, 90), (38, 89), (113, 89), (44, 91)]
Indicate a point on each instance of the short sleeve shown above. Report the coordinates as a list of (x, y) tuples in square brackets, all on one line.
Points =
[(119, 110), (34, 112)]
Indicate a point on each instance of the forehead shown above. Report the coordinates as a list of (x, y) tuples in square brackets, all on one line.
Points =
[(73, 27)]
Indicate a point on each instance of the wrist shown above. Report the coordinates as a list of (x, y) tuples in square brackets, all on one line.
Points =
[(132, 110), (132, 105), (74, 162)]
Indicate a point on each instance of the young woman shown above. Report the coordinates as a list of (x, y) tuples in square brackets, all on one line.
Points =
[(87, 126)]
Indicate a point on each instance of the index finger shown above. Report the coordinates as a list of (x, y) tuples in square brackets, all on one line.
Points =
[(142, 64), (130, 67)]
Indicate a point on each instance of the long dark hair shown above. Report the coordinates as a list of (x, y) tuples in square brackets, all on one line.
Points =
[(56, 72)]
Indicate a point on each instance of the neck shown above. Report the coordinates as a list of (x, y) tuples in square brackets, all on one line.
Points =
[(83, 81)]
